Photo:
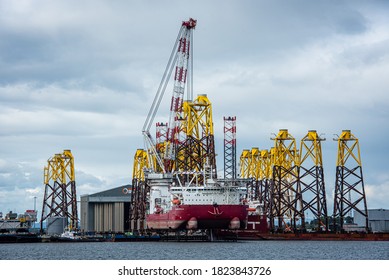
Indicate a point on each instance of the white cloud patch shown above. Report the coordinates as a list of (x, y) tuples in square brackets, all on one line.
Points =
[(54, 110), (377, 195), (20, 183)]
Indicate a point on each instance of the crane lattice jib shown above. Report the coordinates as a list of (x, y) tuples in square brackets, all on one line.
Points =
[(180, 75), (180, 60)]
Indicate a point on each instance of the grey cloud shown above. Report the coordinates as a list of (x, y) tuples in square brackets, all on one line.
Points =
[(62, 43), (20, 182), (17, 175), (71, 97), (365, 54)]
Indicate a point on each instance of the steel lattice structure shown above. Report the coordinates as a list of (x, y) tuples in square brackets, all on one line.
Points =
[(257, 165), (311, 180), (285, 196), (254, 173), (185, 145), (230, 147), (180, 60), (160, 142), (349, 186), (265, 179), (196, 151), (244, 163), (139, 193), (60, 199)]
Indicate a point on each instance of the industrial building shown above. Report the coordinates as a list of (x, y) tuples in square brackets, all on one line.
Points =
[(378, 219), (106, 211)]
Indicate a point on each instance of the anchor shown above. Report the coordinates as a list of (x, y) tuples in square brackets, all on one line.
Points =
[(216, 211)]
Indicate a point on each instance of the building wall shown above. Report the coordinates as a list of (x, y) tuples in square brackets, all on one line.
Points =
[(87, 214), (378, 219), (118, 218), (108, 217), (105, 211), (379, 226)]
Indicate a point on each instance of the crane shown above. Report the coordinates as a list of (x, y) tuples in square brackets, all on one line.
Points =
[(180, 60)]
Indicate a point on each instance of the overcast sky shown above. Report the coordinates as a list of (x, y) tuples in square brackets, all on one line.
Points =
[(81, 75)]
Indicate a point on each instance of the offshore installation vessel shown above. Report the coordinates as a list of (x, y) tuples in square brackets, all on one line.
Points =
[(175, 185)]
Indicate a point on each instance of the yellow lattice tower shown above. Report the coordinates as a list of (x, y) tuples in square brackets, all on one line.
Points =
[(349, 186), (60, 198), (255, 164), (271, 163), (265, 171), (196, 152), (199, 120), (244, 163), (139, 191), (263, 164), (253, 173), (311, 180), (285, 198), (140, 163)]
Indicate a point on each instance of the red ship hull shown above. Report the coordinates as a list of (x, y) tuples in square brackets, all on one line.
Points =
[(200, 217)]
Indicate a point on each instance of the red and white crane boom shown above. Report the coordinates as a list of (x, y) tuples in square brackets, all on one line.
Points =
[(181, 58)]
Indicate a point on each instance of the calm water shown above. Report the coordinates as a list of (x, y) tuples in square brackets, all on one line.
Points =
[(242, 250)]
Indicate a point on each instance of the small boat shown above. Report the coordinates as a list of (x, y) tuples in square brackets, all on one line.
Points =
[(69, 235)]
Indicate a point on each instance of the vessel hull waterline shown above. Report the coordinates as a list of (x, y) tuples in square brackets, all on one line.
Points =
[(206, 217)]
